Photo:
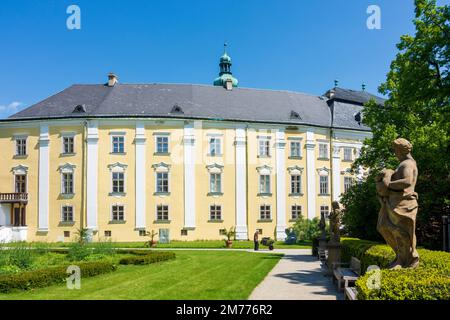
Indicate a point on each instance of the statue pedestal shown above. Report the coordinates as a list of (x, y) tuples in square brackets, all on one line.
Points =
[(334, 255)]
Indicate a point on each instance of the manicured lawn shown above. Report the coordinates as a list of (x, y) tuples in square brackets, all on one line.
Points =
[(195, 275), (188, 244)]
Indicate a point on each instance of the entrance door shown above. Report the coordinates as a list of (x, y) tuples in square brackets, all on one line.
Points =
[(164, 236)]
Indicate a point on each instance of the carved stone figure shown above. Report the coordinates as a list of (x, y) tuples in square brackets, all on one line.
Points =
[(397, 216), (322, 226), (335, 222)]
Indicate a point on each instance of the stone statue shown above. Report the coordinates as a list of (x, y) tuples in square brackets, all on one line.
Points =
[(335, 222), (397, 216), (322, 225)]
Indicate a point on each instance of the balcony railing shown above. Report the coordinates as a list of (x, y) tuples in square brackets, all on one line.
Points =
[(13, 197)]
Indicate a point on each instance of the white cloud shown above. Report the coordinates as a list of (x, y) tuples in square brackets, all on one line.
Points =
[(11, 108)]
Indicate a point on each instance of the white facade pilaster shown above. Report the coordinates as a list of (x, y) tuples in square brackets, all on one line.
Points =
[(140, 141), (336, 172), (310, 173), (189, 176), (241, 184), (280, 144), (44, 169), (92, 176)]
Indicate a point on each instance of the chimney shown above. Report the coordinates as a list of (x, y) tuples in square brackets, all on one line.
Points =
[(112, 79), (229, 84)]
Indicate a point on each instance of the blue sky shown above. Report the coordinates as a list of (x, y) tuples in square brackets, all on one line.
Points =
[(299, 45)]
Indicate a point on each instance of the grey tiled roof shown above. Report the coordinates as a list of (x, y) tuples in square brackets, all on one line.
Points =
[(348, 116), (196, 102), (354, 96)]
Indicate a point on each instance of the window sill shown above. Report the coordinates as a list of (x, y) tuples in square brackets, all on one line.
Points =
[(20, 156), (295, 157), (161, 153), (264, 220), (264, 194), (323, 194), (215, 194), (66, 195), (161, 221), (348, 161), (117, 222), (117, 194), (118, 153), (161, 193), (263, 156), (66, 223), (293, 220), (67, 154), (295, 194), (215, 221), (323, 159), (214, 155)]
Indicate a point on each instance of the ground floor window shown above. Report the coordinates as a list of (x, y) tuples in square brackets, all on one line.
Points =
[(215, 212), (296, 212), (107, 233), (67, 214), (264, 212), (324, 210), (118, 213), (162, 212)]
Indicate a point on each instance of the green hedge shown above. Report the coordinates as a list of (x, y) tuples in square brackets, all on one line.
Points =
[(52, 275), (431, 280), (145, 257)]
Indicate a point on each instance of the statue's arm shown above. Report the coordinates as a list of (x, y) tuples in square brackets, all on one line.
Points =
[(403, 183)]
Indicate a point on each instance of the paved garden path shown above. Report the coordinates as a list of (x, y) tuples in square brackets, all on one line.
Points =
[(298, 276)]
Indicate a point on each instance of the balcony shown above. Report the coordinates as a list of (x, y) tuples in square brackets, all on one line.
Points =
[(14, 198)]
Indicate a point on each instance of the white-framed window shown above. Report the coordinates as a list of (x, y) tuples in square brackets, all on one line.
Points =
[(162, 212), (324, 210), (21, 146), (118, 143), (296, 149), (264, 212), (215, 146), (117, 178), (20, 183), (68, 143), (264, 183), (323, 185), (348, 154), (118, 182), (296, 184), (215, 212), (67, 213), (162, 182), (117, 212), (161, 178), (264, 146), (348, 182), (215, 182), (296, 211), (323, 151), (67, 183), (162, 144)]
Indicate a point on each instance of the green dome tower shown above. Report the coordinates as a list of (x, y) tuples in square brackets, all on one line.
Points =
[(225, 70)]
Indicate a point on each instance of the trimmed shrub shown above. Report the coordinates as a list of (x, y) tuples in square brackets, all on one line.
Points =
[(48, 276), (146, 257), (407, 284), (431, 280)]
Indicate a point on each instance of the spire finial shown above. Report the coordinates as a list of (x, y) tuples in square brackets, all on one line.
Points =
[(363, 86), (336, 83), (225, 44)]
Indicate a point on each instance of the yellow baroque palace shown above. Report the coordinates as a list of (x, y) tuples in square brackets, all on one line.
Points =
[(186, 161)]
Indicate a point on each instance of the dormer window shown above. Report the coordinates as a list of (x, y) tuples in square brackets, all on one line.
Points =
[(295, 115), (81, 108), (177, 109)]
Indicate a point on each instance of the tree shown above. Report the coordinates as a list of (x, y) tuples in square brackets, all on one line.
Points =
[(417, 109)]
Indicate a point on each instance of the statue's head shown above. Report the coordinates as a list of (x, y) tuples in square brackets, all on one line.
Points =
[(402, 148), (335, 205)]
